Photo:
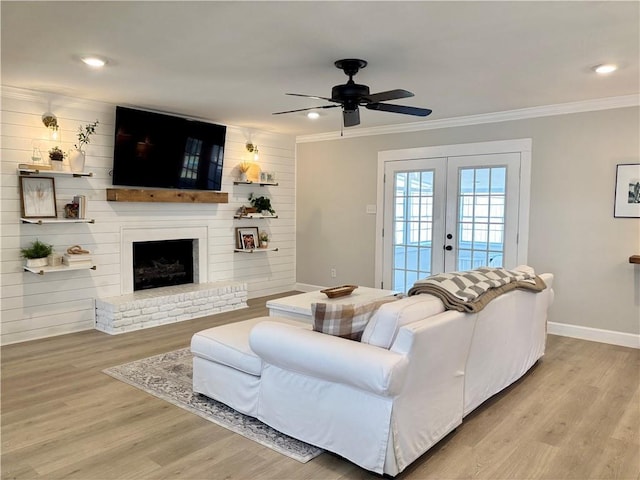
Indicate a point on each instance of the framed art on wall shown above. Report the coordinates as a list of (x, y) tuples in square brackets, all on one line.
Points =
[(247, 238), (627, 199), (38, 197)]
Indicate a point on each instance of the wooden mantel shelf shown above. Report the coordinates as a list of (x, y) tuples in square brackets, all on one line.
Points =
[(634, 259), (174, 196)]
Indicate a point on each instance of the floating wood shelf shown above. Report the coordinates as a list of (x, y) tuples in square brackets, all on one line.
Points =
[(254, 215), (252, 250), (173, 196), (58, 268), (261, 184), (45, 171), (634, 259), (40, 221)]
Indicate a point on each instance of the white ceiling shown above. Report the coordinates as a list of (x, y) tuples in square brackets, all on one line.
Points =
[(232, 62)]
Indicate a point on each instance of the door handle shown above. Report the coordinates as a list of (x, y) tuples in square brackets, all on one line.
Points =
[(448, 247)]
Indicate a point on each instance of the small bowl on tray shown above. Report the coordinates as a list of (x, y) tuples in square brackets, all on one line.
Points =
[(341, 291)]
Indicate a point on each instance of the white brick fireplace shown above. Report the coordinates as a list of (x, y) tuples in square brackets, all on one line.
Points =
[(134, 310), (130, 235)]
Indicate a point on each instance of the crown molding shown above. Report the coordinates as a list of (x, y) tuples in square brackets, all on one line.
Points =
[(29, 95), (20, 93), (506, 116)]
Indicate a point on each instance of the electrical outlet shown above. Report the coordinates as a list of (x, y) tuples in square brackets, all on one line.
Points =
[(333, 273)]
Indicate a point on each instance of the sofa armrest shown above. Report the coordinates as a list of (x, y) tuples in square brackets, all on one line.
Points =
[(548, 280), (330, 358)]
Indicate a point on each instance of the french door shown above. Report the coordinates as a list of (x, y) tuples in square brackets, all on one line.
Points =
[(450, 213)]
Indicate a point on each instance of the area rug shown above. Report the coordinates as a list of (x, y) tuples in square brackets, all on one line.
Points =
[(168, 376)]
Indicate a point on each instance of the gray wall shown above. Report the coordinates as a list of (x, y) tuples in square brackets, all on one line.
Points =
[(573, 233)]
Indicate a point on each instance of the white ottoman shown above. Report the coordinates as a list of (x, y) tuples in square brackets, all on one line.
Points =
[(224, 366)]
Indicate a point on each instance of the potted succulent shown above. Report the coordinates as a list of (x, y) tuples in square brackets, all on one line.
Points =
[(77, 155), (261, 204), (264, 239), (56, 156), (36, 254)]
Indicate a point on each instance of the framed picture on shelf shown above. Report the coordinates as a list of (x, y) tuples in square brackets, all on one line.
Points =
[(38, 197), (627, 200), (267, 177), (247, 238)]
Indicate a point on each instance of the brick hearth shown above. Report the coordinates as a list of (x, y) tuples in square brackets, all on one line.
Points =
[(159, 306)]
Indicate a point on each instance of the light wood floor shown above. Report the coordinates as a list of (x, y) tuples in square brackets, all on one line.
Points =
[(576, 415)]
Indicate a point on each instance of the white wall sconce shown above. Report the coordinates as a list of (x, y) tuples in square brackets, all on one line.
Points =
[(51, 122), (253, 149)]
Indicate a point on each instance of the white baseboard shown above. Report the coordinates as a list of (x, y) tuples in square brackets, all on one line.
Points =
[(306, 287), (594, 334)]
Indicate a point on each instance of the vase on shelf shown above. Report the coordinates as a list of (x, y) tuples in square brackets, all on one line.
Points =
[(54, 260), (76, 160), (57, 165), (37, 262)]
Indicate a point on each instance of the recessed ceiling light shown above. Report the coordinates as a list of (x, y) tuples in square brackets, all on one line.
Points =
[(605, 68), (313, 115), (95, 62)]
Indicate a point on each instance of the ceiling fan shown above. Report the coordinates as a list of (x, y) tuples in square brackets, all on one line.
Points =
[(352, 95)]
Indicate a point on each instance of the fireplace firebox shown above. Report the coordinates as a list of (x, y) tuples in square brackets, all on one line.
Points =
[(162, 263)]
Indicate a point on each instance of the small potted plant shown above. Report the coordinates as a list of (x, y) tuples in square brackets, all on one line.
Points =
[(77, 156), (36, 254), (56, 156), (264, 239), (261, 204)]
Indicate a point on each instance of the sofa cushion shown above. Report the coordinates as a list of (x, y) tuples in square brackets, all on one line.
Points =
[(383, 327), (345, 320), (229, 344)]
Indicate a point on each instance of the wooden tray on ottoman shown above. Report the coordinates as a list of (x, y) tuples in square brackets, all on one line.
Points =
[(341, 291)]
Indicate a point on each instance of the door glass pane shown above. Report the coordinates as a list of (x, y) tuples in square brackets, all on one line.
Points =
[(481, 217), (412, 227)]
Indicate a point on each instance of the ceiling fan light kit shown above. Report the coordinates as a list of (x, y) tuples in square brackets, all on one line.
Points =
[(351, 95)]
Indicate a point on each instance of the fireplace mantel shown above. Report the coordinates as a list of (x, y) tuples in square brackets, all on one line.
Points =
[(174, 196)]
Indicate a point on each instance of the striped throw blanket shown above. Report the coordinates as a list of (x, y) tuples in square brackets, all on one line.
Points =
[(472, 290)]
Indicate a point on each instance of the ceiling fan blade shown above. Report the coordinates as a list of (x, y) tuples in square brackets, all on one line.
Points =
[(311, 96), (305, 109), (351, 118), (388, 95), (387, 107)]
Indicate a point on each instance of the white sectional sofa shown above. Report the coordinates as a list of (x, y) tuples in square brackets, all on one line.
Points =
[(384, 401)]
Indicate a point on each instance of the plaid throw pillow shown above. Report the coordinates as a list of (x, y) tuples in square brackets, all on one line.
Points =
[(345, 320)]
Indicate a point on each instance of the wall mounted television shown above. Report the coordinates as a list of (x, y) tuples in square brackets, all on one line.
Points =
[(165, 151)]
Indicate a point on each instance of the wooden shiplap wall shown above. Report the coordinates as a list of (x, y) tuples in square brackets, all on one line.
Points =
[(35, 306)]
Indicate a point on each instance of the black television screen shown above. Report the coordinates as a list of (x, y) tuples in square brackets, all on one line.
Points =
[(165, 151)]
